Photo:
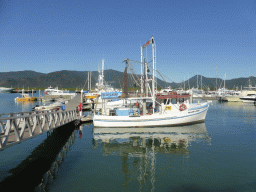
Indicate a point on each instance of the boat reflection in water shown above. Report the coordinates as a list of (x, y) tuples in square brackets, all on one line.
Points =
[(139, 147), (160, 138)]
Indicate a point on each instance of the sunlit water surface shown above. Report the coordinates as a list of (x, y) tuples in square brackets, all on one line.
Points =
[(218, 155)]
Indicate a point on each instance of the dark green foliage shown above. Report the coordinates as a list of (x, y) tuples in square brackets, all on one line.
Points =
[(79, 79)]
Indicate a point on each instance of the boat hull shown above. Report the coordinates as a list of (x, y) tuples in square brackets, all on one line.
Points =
[(233, 99), (26, 99), (248, 100), (181, 118), (5, 90)]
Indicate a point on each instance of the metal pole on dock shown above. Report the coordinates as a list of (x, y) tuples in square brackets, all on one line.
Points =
[(82, 96), (191, 98)]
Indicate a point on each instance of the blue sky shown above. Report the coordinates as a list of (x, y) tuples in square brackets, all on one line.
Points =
[(192, 36)]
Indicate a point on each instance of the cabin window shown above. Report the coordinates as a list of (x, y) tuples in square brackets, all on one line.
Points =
[(174, 101), (181, 100)]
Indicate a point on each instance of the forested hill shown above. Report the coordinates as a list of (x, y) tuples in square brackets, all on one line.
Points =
[(79, 79)]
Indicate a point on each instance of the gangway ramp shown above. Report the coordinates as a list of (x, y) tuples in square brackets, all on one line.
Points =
[(73, 103), (17, 127)]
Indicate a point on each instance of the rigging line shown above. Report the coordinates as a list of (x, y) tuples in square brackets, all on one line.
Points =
[(132, 74), (132, 71), (165, 77)]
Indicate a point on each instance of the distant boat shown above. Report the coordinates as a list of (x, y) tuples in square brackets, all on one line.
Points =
[(5, 90), (248, 95), (55, 91), (103, 91), (25, 98)]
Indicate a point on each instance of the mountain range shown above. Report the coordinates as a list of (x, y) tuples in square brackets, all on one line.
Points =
[(79, 80)]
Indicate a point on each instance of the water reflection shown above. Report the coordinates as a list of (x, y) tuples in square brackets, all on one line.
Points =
[(140, 147), (42, 164), (164, 139)]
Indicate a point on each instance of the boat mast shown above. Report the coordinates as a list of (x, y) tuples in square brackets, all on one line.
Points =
[(184, 84), (146, 77), (201, 82), (197, 80), (216, 78), (101, 76), (142, 73), (88, 80), (224, 82), (144, 69), (154, 85), (102, 72)]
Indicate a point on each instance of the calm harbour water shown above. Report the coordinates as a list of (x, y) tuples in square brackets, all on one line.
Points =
[(218, 155)]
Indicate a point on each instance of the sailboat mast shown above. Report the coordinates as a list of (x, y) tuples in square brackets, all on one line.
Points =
[(224, 82), (88, 80), (216, 78), (197, 80), (201, 83), (184, 84)]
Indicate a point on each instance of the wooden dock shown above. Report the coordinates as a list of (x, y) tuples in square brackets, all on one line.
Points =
[(73, 103), (54, 97)]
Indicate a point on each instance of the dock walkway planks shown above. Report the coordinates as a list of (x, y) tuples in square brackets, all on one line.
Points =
[(73, 103)]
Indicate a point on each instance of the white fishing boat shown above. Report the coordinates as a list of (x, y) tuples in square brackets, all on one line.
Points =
[(166, 109)]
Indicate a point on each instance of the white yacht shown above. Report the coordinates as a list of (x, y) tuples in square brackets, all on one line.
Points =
[(248, 95), (55, 91), (5, 90)]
